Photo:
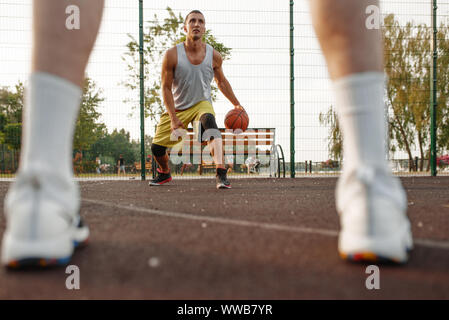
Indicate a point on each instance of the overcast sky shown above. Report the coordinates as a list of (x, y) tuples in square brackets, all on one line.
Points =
[(258, 33)]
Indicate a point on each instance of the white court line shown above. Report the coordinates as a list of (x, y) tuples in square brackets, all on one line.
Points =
[(243, 223)]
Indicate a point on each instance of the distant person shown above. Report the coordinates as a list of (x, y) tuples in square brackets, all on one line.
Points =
[(78, 157), (98, 164), (121, 165), (149, 163), (252, 164)]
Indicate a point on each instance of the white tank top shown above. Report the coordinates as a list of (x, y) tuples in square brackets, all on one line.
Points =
[(192, 83)]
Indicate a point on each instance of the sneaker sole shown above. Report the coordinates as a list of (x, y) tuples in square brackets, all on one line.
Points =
[(222, 186), (161, 183), (17, 254), (370, 257)]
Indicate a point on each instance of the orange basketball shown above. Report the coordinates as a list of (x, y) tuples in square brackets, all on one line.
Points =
[(237, 119)]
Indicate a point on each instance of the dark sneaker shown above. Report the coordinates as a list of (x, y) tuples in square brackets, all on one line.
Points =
[(222, 180), (161, 178)]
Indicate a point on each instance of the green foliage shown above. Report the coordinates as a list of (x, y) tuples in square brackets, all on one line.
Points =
[(408, 59), (111, 146), (11, 103), (88, 130), (136, 147), (13, 135), (85, 166), (335, 139), (443, 89), (3, 122), (405, 54), (160, 36)]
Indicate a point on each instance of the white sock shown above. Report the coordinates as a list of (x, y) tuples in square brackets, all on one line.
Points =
[(51, 109), (361, 113)]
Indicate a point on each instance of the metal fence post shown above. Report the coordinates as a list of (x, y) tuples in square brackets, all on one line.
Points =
[(142, 93), (292, 91), (433, 93)]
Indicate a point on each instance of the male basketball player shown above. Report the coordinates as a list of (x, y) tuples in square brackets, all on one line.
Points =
[(187, 72)]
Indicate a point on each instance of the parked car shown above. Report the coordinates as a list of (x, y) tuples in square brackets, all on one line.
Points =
[(443, 160)]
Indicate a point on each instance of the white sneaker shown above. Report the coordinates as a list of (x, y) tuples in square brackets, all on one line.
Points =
[(372, 207), (42, 222)]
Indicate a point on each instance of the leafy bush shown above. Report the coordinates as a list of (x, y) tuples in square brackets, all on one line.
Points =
[(85, 166)]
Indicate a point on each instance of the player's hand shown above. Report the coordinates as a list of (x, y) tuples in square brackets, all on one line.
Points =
[(176, 124), (177, 127)]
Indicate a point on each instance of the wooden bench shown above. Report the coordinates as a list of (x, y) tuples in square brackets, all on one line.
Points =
[(258, 143), (148, 166)]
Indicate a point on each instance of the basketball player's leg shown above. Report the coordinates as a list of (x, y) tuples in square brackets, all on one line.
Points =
[(161, 157), (42, 205), (212, 135), (371, 202), (163, 139)]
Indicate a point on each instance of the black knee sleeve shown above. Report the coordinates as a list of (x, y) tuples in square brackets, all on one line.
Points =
[(209, 128), (157, 150)]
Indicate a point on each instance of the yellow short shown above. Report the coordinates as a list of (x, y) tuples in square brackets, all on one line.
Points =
[(163, 132)]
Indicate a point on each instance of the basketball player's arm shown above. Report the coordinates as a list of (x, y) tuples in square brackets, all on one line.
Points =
[(223, 83), (168, 70)]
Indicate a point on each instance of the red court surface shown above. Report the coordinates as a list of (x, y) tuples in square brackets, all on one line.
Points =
[(264, 239)]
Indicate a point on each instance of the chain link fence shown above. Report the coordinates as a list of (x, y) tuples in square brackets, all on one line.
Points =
[(254, 38)]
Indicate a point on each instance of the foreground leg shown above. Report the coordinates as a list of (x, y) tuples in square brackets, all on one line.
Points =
[(42, 206), (371, 203)]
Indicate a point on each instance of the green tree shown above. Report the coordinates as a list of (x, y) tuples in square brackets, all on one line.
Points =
[(408, 58), (11, 106), (137, 148), (443, 89), (407, 63), (161, 35), (12, 137), (11, 103), (405, 53), (88, 128), (3, 123), (335, 139), (113, 145)]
